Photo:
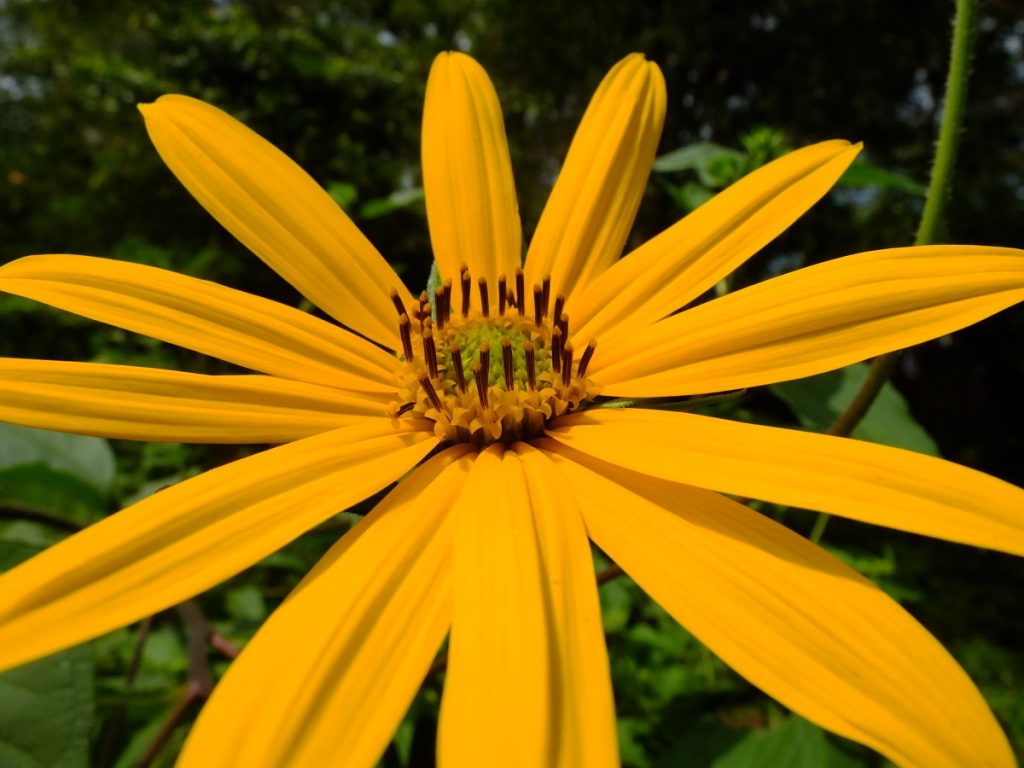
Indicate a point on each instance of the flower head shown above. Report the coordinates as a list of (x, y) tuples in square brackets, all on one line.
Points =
[(482, 397)]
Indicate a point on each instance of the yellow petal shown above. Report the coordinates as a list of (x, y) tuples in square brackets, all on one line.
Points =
[(862, 481), (813, 320), (586, 717), (129, 403), (277, 211), (500, 701), (789, 617), (328, 678), (231, 325), (585, 223), (467, 174), (193, 535), (687, 259)]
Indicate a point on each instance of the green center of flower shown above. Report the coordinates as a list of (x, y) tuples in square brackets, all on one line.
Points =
[(485, 376)]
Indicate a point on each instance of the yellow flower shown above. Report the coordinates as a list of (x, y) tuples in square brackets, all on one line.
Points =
[(487, 405)]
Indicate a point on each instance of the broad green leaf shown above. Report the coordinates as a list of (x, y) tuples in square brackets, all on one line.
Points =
[(38, 487), (862, 174), (818, 400), (88, 459), (795, 743), (46, 711), (46, 707)]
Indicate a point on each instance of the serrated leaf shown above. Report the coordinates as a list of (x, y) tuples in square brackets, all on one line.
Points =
[(88, 459), (818, 400)]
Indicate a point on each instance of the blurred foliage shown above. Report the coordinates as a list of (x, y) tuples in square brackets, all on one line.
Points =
[(339, 86)]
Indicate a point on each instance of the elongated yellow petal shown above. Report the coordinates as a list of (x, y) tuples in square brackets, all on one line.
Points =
[(130, 403), (277, 211), (586, 716), (687, 259), (232, 325), (813, 320), (585, 223), (193, 535), (467, 174), (863, 481), (334, 669), (500, 698), (789, 617)]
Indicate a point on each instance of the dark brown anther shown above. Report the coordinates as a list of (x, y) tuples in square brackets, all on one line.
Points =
[(567, 364), (563, 323), (397, 301), (430, 352), (538, 305), (430, 392), (424, 310), (466, 286), (559, 306), (439, 306), (520, 291), (556, 349), (502, 294), (485, 302), (506, 360), (485, 357), (481, 383), (546, 288), (585, 359), (447, 300), (460, 375), (404, 408), (531, 365), (405, 332)]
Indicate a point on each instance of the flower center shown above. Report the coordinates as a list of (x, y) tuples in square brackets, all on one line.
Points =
[(496, 371)]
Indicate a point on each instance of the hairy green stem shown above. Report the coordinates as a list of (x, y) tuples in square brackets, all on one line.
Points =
[(939, 187), (941, 181)]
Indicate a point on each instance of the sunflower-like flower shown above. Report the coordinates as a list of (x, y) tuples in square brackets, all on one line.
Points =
[(480, 399)]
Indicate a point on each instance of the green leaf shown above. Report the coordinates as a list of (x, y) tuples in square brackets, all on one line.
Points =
[(400, 198), (89, 459), (862, 174), (795, 743), (46, 712), (818, 400), (343, 193), (39, 487), (246, 604), (714, 164)]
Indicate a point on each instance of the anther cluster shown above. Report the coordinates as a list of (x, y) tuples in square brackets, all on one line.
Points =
[(494, 369)]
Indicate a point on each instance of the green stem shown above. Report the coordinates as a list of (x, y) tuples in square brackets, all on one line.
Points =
[(939, 187), (941, 181)]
